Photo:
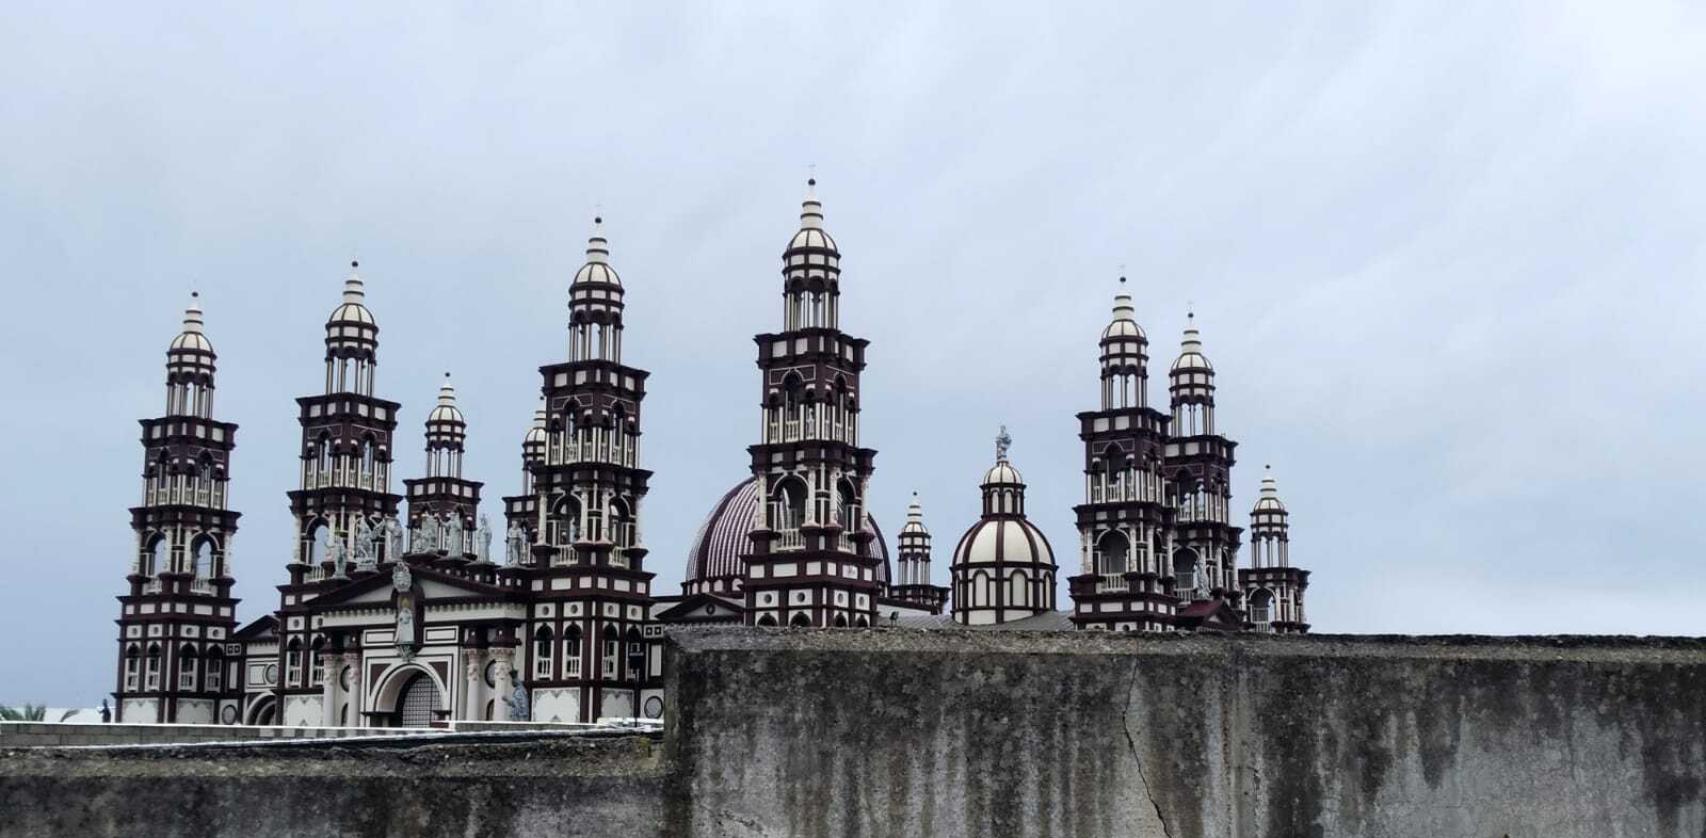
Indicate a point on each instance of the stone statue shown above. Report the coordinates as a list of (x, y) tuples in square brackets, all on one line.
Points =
[(394, 544), (483, 539), (405, 624), (454, 543), (402, 581), (519, 710), (363, 539), (1002, 443), (426, 535), (517, 543), (336, 552)]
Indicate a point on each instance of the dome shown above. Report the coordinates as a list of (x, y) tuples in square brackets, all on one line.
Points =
[(191, 338), (722, 538), (1003, 540), (597, 270), (446, 412), (811, 253), (1190, 350), (1124, 325), (536, 433), (353, 310), (1269, 501), (1003, 474), (914, 518)]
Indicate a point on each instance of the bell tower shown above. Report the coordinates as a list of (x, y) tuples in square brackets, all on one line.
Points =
[(178, 612), (1273, 589), (1199, 464), (811, 560), (592, 650), (443, 505), (914, 586), (344, 510), (1123, 527)]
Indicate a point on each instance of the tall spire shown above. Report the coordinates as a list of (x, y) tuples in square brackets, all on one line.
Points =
[(192, 315)]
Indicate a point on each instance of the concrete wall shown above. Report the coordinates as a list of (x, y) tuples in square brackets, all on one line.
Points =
[(857, 734), (851, 734), (562, 786)]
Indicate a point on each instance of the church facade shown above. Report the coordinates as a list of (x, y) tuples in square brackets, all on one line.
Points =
[(412, 609)]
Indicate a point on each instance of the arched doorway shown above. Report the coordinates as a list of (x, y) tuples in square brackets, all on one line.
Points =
[(417, 703)]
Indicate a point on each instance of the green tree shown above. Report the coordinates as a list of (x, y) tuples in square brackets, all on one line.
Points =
[(26, 713)]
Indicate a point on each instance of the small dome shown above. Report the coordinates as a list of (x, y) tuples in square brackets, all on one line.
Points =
[(191, 338), (914, 518), (1190, 350), (1269, 500), (1006, 540), (446, 412), (811, 233), (1124, 324), (536, 432), (1003, 474), (353, 310), (597, 270)]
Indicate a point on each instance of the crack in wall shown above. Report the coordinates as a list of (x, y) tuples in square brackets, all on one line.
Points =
[(1131, 745)]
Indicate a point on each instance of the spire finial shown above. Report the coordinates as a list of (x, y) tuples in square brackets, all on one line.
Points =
[(811, 210), (192, 313), (597, 247), (1003, 441), (353, 289)]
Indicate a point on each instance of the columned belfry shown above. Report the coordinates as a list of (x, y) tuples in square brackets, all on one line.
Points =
[(1123, 582), (178, 612), (1199, 463), (590, 648), (912, 584), (1273, 589), (443, 505), (344, 496), (812, 562)]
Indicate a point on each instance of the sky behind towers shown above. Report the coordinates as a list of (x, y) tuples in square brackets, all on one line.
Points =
[(1446, 259)]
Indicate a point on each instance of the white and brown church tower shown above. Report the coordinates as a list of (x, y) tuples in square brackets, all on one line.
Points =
[(1123, 581), (344, 495), (178, 612), (1273, 589), (811, 560), (590, 644), (1199, 463)]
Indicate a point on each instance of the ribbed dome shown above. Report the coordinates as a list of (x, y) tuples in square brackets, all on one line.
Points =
[(722, 538), (1003, 540), (1269, 502), (597, 270), (914, 518), (1190, 350), (191, 339), (812, 256), (353, 310), (1003, 474), (446, 412), (1124, 324)]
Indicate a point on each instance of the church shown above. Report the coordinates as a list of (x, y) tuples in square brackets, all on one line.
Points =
[(413, 609)]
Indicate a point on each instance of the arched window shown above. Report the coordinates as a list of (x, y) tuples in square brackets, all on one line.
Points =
[(789, 510), (1018, 592), (154, 555), (566, 520), (153, 680), (1113, 554), (572, 652), (800, 620), (132, 668), (293, 663), (1261, 609), (187, 662), (542, 648), (862, 622), (215, 670), (316, 672), (767, 620), (847, 506), (319, 536), (612, 650), (202, 563), (1185, 571), (841, 621), (621, 527), (636, 653), (793, 399), (983, 591)]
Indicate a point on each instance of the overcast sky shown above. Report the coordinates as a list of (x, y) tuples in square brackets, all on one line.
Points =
[(1446, 258)]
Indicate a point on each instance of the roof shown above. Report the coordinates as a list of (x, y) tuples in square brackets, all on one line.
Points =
[(722, 538)]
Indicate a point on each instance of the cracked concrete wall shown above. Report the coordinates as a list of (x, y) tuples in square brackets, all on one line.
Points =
[(540, 787), (861, 734), (851, 734)]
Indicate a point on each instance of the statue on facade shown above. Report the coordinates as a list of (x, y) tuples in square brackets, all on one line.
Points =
[(336, 553), (402, 581), (366, 545), (425, 539), (454, 543), (519, 709), (516, 541), (483, 539), (392, 532)]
